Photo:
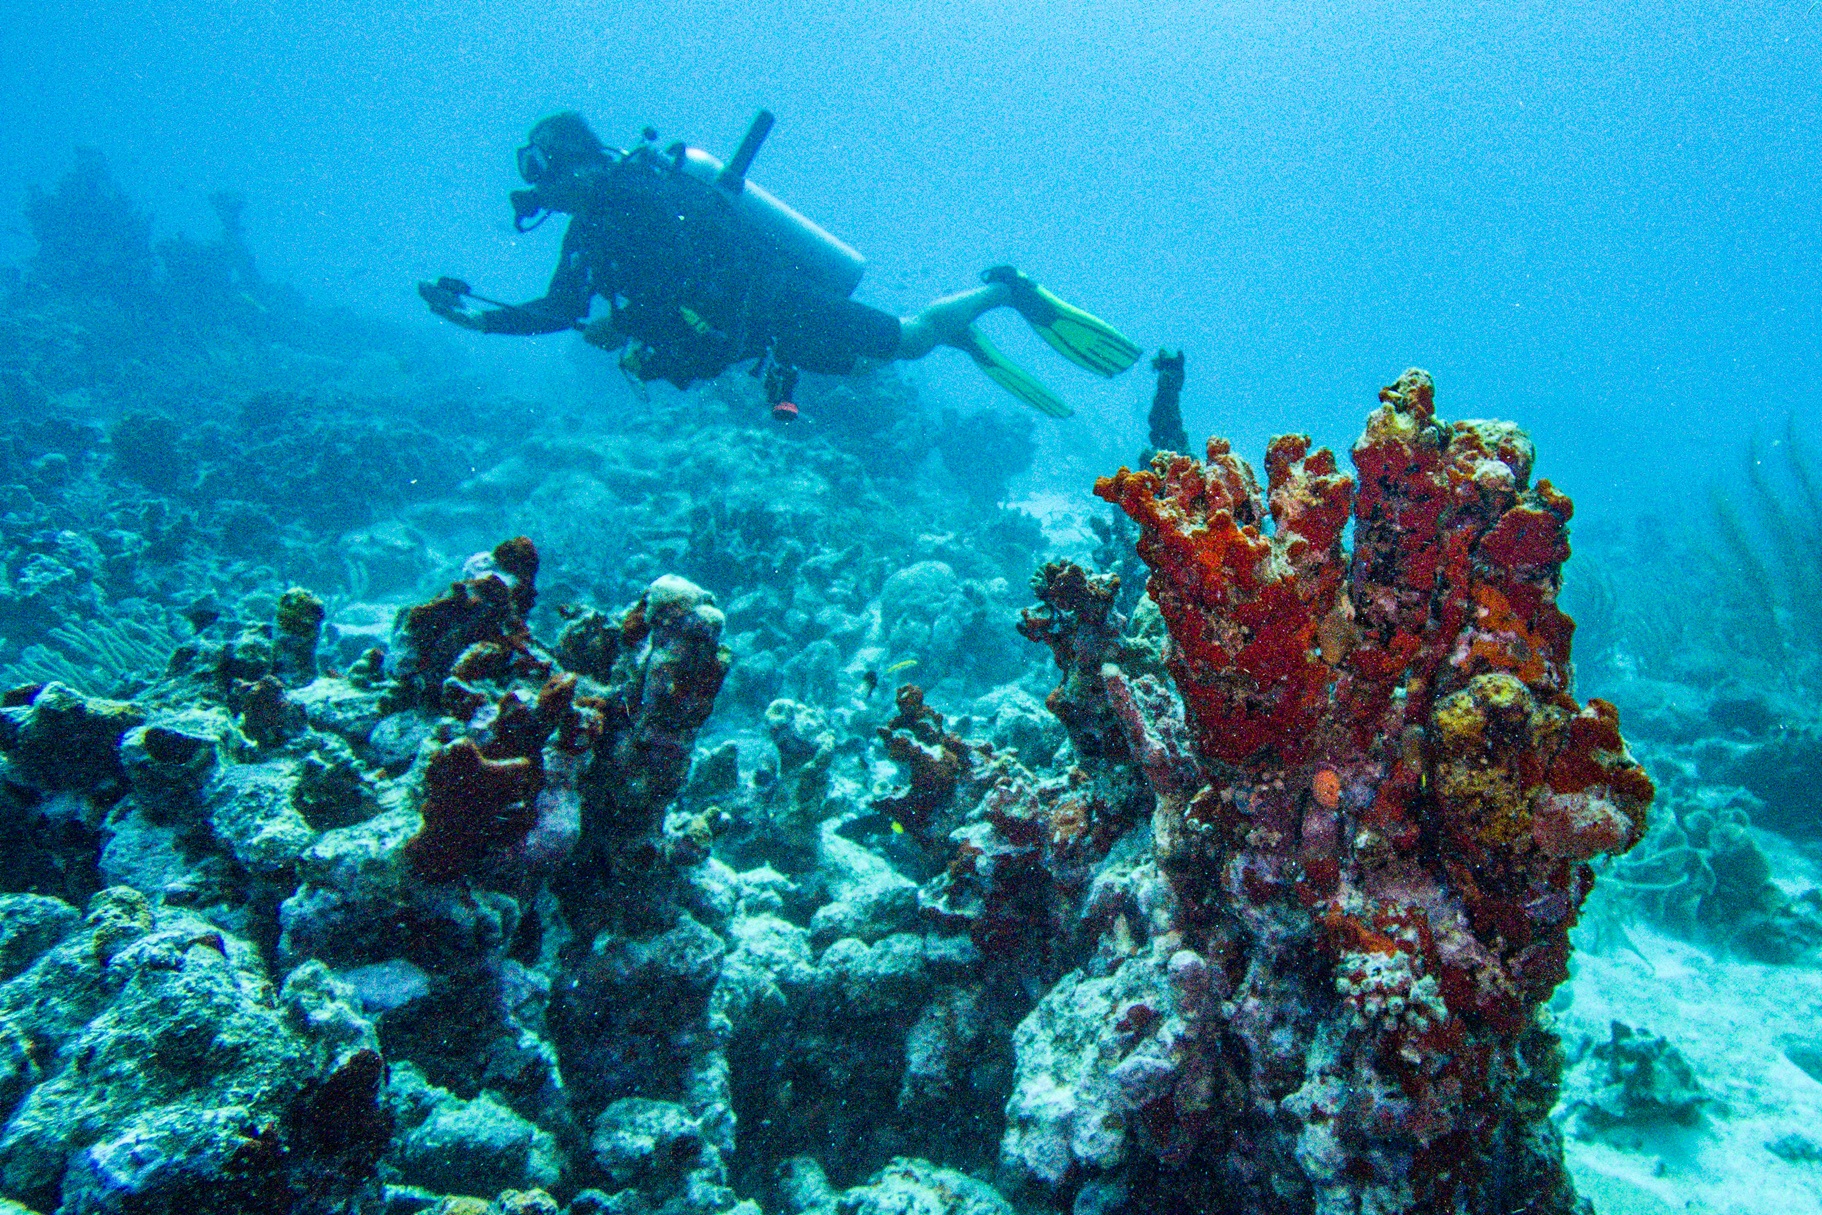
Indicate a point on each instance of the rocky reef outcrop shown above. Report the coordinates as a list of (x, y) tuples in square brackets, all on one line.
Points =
[(1360, 877), (389, 841), (153, 1066)]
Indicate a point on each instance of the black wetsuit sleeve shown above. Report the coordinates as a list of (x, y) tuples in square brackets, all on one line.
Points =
[(571, 291)]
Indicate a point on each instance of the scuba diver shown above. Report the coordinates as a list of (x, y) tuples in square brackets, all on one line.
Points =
[(702, 269)]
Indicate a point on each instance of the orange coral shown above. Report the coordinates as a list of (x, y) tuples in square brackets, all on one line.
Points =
[(1325, 787), (1242, 607), (1401, 766)]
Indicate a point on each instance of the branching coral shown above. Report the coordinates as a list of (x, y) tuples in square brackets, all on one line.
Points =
[(1028, 849), (935, 762), (1076, 618), (1243, 607), (103, 657)]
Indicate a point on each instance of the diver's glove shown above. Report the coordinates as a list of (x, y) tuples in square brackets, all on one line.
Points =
[(447, 303)]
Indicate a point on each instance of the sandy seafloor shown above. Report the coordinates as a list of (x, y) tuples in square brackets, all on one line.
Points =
[(1733, 1020)]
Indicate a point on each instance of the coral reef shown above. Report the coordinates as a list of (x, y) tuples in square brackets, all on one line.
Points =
[(1362, 909), (254, 806), (163, 1072), (91, 237), (1700, 873), (1703, 628)]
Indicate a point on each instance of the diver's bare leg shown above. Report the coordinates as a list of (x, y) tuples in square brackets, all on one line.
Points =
[(944, 320)]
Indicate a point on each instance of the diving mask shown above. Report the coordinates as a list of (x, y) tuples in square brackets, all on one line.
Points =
[(535, 164)]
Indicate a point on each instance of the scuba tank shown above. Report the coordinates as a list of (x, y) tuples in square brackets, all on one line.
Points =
[(804, 245), (810, 249)]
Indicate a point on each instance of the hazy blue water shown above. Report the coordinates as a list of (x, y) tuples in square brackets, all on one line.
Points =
[(1600, 220)]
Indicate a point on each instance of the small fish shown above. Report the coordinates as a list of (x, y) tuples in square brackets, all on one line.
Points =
[(869, 681), (898, 828), (902, 665)]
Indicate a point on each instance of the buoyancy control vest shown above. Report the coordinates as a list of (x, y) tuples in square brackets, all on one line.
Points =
[(681, 270), (684, 243)]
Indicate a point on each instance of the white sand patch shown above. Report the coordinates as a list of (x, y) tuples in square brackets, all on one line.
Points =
[(1064, 517), (1731, 1020)]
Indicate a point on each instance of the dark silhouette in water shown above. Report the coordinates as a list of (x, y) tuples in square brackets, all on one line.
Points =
[(92, 239), (221, 270), (704, 270), (1167, 433)]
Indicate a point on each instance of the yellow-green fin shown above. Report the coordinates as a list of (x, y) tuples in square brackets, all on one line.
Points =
[(1010, 376), (1085, 339)]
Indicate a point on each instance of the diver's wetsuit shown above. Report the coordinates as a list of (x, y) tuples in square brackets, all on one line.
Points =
[(688, 283)]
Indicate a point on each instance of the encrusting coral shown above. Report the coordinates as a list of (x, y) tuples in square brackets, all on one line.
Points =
[(408, 832), (1370, 892)]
